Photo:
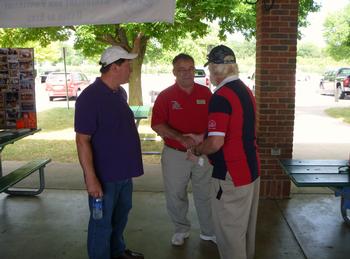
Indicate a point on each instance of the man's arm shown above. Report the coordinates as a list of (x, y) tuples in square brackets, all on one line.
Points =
[(165, 131), (198, 138), (84, 148), (209, 146)]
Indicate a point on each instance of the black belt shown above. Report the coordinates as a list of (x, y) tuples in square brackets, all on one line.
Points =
[(177, 149)]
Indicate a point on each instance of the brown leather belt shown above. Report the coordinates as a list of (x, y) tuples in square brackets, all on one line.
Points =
[(177, 149)]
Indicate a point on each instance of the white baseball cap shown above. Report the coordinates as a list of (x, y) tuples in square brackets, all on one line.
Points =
[(113, 54)]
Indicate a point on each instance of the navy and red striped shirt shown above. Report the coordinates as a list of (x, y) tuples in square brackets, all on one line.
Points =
[(232, 115)]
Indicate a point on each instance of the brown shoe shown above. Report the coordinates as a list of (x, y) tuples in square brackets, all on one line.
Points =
[(128, 254)]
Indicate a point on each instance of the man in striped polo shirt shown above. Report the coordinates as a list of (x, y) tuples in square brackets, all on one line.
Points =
[(231, 146)]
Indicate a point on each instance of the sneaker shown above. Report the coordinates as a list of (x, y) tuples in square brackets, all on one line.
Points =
[(178, 239), (208, 238)]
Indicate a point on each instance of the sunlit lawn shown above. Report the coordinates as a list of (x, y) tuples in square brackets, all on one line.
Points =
[(57, 119), (340, 113)]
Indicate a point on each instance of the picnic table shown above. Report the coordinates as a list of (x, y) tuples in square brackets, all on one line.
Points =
[(140, 112), (333, 174), (10, 137)]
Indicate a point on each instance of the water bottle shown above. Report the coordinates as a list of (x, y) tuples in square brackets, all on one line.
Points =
[(97, 208)]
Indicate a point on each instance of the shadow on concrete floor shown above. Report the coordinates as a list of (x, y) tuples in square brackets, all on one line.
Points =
[(54, 224)]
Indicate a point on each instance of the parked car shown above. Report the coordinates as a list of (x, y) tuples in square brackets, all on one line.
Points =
[(43, 76), (201, 76), (56, 84), (346, 81), (335, 82)]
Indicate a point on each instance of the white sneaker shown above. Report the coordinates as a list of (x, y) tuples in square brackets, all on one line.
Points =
[(208, 238), (178, 239)]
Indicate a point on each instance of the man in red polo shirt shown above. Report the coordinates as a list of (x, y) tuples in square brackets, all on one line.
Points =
[(232, 149), (183, 109)]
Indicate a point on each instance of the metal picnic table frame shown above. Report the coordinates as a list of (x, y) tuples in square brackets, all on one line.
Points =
[(333, 174), (11, 136), (8, 181)]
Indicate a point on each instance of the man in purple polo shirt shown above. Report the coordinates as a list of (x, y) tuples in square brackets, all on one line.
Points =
[(109, 152)]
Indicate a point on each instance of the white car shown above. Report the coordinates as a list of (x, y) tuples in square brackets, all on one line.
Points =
[(201, 76)]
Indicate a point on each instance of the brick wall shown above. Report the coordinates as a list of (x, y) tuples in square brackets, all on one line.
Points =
[(275, 91)]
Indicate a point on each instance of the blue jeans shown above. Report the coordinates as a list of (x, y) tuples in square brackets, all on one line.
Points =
[(105, 236)]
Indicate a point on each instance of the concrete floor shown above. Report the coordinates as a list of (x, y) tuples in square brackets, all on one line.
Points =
[(54, 224)]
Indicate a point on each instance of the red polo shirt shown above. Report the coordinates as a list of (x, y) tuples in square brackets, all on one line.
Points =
[(186, 113)]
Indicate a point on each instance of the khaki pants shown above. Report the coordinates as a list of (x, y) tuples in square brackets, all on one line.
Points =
[(234, 217), (177, 172)]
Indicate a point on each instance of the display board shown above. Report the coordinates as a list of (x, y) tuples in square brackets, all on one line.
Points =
[(17, 88)]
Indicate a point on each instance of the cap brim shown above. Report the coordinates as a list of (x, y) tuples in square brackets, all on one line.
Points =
[(125, 56), (207, 63), (130, 56)]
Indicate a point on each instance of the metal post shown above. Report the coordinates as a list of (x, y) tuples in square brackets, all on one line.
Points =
[(336, 94), (65, 75)]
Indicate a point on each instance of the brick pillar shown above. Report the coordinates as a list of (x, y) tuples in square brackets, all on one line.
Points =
[(276, 41)]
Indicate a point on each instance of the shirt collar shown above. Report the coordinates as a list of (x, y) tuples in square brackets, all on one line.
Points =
[(226, 80), (180, 90), (105, 88)]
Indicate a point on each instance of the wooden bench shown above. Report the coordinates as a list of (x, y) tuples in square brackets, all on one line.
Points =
[(7, 181)]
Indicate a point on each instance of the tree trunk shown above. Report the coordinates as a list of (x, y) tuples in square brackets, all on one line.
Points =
[(135, 89)]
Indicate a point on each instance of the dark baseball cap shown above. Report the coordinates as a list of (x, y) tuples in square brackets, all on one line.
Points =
[(221, 55)]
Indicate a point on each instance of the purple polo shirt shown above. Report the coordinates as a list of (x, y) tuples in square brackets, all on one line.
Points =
[(105, 115)]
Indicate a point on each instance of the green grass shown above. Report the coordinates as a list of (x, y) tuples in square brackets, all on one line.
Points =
[(57, 119), (29, 149), (340, 113), (61, 150)]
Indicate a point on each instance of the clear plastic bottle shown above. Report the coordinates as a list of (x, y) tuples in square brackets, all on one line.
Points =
[(97, 208)]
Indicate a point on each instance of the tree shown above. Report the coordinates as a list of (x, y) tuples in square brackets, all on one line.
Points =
[(50, 53), (308, 50), (337, 34), (192, 17), (197, 48)]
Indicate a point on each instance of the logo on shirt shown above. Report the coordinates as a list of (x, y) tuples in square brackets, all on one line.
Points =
[(200, 101), (175, 105), (211, 124)]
